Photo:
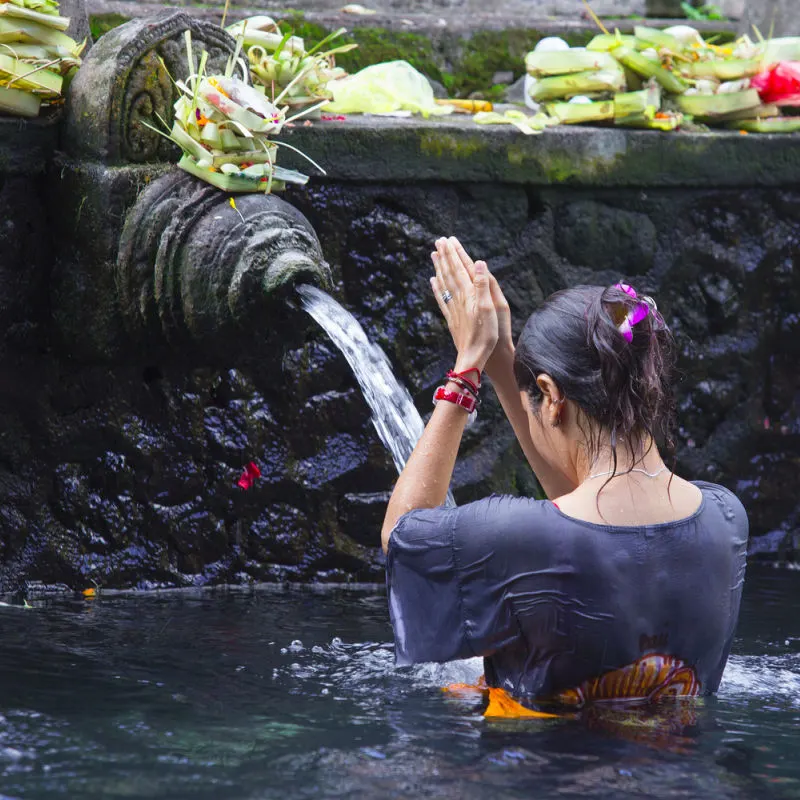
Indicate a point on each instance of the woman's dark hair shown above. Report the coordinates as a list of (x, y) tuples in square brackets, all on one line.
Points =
[(623, 388)]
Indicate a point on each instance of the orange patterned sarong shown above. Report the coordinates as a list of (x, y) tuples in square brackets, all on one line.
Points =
[(649, 679)]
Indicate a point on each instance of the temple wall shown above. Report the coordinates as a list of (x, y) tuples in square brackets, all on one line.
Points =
[(120, 451)]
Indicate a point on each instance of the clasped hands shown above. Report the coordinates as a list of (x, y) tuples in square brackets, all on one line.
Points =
[(473, 306)]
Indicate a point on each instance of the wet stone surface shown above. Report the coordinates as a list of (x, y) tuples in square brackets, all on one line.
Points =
[(125, 474)]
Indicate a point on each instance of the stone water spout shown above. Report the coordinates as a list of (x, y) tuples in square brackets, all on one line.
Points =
[(157, 258), (191, 265)]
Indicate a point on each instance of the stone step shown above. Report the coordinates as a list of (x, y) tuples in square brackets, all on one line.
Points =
[(457, 15), (455, 149), (528, 9), (781, 16), (466, 52)]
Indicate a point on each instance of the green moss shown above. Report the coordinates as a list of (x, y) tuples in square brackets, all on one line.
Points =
[(103, 23), (516, 155), (296, 23), (446, 145), (561, 167), (464, 66), (487, 52), (377, 44)]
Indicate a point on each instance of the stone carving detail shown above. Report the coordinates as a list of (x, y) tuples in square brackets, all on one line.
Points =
[(149, 92), (122, 85), (192, 267)]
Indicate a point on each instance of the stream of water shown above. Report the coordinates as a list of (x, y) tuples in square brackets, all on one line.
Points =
[(394, 415)]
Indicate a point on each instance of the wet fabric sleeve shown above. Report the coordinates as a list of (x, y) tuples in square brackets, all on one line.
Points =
[(444, 604)]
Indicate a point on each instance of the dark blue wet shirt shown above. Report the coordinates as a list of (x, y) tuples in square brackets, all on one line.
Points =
[(554, 603)]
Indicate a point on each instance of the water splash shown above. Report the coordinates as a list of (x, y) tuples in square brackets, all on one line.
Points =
[(774, 678), (394, 415), (362, 668)]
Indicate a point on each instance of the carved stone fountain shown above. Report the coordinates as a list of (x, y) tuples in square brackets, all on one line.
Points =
[(188, 269), (149, 276)]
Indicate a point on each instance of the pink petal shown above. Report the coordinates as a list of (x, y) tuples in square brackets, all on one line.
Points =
[(629, 290), (248, 476), (638, 313)]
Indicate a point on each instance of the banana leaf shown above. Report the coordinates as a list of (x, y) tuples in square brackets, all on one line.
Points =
[(649, 69), (22, 75), (581, 83), (652, 37), (605, 42), (42, 6), (773, 125), (710, 106), (762, 112), (48, 20), (581, 113), (19, 103), (729, 69), (632, 104), (566, 62), (785, 48), (28, 31), (661, 122), (229, 183)]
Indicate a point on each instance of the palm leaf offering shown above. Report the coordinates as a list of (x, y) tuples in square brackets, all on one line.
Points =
[(667, 77), (35, 55), (281, 63), (223, 126)]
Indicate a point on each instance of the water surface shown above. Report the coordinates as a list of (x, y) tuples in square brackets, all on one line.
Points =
[(292, 694)]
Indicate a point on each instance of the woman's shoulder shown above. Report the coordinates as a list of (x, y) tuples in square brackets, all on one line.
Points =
[(723, 503), (507, 524), (478, 521), (720, 496), (505, 512)]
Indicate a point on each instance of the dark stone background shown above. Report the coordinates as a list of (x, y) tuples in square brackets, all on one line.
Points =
[(125, 473)]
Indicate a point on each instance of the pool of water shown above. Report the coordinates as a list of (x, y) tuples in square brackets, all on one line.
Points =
[(292, 694)]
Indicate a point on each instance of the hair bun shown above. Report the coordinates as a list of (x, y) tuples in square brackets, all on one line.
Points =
[(609, 351)]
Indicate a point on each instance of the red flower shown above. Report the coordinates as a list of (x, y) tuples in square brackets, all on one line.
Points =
[(780, 84), (248, 477)]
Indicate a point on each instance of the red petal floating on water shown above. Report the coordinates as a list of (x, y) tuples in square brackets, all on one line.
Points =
[(248, 477)]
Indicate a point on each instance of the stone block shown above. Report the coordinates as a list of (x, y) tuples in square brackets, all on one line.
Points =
[(600, 236)]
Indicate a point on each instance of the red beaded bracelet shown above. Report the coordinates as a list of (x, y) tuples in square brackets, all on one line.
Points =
[(463, 383), (465, 401), (473, 385)]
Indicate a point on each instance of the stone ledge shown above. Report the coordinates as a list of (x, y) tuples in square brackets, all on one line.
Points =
[(455, 149), (426, 21)]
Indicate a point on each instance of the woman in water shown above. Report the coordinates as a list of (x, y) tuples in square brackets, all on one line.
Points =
[(626, 582)]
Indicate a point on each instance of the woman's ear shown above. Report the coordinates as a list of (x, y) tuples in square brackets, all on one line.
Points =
[(552, 399)]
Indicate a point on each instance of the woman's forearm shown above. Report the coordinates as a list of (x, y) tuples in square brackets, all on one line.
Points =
[(466, 304), (426, 478), (501, 371)]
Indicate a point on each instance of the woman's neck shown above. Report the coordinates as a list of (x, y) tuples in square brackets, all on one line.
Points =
[(646, 460)]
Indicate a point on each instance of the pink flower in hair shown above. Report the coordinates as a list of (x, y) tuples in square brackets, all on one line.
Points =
[(635, 315)]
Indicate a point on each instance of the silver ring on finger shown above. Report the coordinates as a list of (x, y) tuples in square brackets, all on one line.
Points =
[(446, 297)]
